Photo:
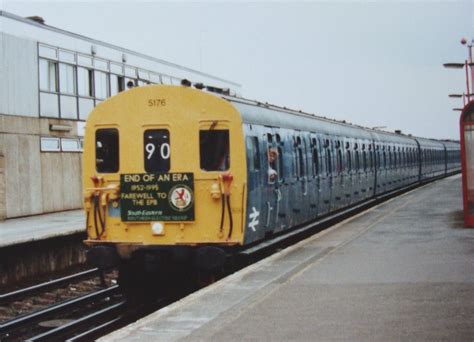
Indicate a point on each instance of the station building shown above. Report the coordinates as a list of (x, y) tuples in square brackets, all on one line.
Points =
[(50, 80)]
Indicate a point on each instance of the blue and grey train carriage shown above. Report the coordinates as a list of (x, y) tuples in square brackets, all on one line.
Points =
[(179, 174)]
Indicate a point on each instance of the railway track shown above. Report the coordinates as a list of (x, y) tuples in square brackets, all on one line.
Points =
[(16, 327), (81, 317), (31, 290), (24, 312)]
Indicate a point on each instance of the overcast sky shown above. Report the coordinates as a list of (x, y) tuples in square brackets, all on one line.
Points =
[(373, 63)]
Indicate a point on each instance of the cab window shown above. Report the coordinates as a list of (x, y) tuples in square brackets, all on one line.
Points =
[(156, 150), (214, 150), (107, 150)]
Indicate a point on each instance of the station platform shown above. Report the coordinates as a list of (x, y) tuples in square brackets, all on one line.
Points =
[(33, 228), (403, 270)]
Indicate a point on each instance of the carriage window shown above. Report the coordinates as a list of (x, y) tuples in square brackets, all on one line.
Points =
[(295, 161), (280, 164), (328, 162), (156, 150), (339, 162), (280, 157), (253, 152), (301, 168), (315, 162), (349, 161), (214, 150), (357, 161), (107, 150)]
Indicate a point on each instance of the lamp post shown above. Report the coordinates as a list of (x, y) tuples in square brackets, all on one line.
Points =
[(468, 66)]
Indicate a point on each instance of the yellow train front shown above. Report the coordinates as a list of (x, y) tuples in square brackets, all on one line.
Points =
[(164, 181)]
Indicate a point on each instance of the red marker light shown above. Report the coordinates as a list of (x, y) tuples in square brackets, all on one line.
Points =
[(95, 180)]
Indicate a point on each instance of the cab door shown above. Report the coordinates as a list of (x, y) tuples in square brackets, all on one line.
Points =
[(272, 186), (325, 188), (314, 171), (338, 178), (282, 189), (300, 188), (348, 174), (257, 208)]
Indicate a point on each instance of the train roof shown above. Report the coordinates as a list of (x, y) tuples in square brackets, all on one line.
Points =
[(257, 112)]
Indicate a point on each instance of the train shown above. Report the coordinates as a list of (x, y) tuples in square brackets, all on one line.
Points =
[(177, 178)]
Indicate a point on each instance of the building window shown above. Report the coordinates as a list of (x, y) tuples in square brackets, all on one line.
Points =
[(70, 145), (143, 75), (84, 60), (155, 78), (85, 107), (68, 107), (116, 68), (67, 79), (101, 64), (67, 56), (48, 52), (50, 145), (100, 85), (48, 75), (166, 79), (117, 84), (84, 82), (130, 72), (49, 105)]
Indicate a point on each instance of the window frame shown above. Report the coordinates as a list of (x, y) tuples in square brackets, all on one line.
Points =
[(228, 158), (158, 150), (118, 149)]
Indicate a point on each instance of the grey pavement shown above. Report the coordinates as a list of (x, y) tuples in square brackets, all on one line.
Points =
[(403, 270), (39, 227)]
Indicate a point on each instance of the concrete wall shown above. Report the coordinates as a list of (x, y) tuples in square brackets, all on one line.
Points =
[(37, 182), (30, 260), (31, 181), (18, 76), (61, 173), (3, 208)]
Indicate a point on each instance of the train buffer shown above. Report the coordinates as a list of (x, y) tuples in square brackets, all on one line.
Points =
[(402, 270)]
